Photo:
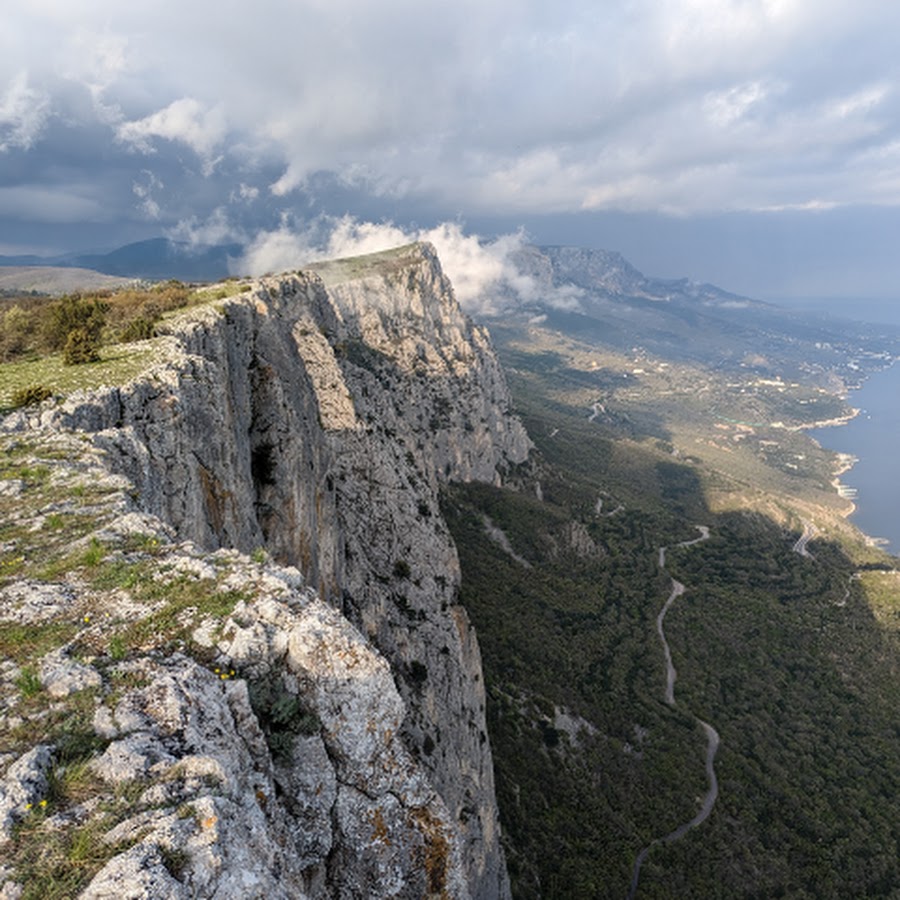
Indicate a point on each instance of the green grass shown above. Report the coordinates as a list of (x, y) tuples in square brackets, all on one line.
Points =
[(56, 863), (32, 475), (384, 262), (118, 364), (23, 643), (32, 366), (28, 682)]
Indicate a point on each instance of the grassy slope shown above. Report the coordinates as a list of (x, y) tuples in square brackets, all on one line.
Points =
[(787, 656), (121, 361)]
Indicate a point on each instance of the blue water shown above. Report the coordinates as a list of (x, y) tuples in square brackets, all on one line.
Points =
[(874, 438), (860, 310)]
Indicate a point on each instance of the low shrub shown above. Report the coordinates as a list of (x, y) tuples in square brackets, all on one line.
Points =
[(31, 395), (82, 346)]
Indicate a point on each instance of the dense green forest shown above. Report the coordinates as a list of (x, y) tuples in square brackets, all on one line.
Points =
[(781, 652)]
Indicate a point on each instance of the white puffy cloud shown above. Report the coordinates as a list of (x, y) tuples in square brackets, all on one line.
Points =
[(217, 228), (183, 120), (23, 112), (143, 188), (485, 274), (480, 106)]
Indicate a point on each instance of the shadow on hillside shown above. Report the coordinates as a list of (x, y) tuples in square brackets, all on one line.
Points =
[(782, 653)]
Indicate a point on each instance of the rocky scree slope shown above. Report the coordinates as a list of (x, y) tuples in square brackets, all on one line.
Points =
[(230, 602)]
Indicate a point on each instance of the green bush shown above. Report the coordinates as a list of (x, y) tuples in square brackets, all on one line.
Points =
[(73, 313), (402, 569), (281, 714), (17, 332), (75, 326), (82, 346), (141, 329), (31, 395)]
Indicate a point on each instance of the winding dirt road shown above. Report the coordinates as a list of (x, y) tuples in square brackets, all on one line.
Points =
[(712, 736), (809, 532)]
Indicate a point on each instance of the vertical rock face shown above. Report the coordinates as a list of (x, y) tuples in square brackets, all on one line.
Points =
[(316, 417)]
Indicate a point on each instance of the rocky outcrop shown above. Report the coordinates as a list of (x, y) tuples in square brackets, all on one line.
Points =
[(313, 418)]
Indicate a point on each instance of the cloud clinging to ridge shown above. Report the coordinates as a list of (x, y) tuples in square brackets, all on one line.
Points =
[(484, 272)]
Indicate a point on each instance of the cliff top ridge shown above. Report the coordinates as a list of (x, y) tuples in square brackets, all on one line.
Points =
[(381, 263)]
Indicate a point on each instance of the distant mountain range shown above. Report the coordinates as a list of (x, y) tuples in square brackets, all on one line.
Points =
[(154, 259), (597, 272), (607, 274), (598, 297), (589, 293)]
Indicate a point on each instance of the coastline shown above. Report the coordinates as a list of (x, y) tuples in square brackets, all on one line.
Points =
[(843, 463), (827, 423)]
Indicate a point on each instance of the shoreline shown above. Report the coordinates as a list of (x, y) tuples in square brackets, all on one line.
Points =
[(827, 423), (843, 463)]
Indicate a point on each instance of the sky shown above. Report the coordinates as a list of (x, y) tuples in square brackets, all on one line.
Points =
[(751, 143)]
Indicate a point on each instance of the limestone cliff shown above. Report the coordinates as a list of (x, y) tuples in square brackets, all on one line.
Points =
[(340, 749)]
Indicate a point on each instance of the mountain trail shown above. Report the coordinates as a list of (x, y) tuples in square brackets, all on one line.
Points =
[(809, 532), (712, 736)]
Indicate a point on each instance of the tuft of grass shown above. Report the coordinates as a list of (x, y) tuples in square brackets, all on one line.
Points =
[(54, 521), (33, 475), (119, 574), (117, 648), (57, 863), (73, 781), (29, 682), (174, 859), (94, 555), (142, 543), (187, 601), (22, 643)]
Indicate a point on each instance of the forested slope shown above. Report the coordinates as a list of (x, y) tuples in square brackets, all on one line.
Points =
[(791, 657)]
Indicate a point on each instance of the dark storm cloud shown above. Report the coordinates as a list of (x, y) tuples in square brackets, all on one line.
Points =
[(215, 120)]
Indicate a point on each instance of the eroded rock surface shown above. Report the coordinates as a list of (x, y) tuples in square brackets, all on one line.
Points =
[(308, 722)]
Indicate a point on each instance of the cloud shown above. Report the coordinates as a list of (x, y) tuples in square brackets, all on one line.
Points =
[(244, 193), (725, 108), (486, 274), (472, 108), (97, 60), (183, 120), (23, 112), (217, 228), (276, 250), (36, 203), (143, 189)]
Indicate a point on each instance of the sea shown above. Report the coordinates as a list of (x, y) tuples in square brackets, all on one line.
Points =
[(873, 436)]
